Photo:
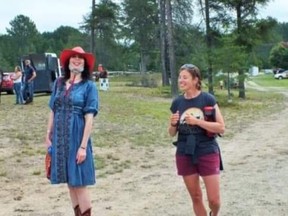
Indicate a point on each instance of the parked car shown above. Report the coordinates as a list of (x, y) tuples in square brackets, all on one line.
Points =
[(281, 75), (7, 83), (278, 70)]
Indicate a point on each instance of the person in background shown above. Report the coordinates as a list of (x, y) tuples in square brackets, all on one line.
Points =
[(104, 74), (73, 104), (196, 120), (100, 68), (28, 81), (1, 77), (99, 73), (17, 80), (221, 84)]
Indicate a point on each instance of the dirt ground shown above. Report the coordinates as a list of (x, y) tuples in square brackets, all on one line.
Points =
[(254, 181)]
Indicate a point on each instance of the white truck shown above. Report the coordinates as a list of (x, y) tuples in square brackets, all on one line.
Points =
[(281, 75)]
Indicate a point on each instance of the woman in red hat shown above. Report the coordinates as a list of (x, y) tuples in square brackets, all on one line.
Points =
[(73, 103)]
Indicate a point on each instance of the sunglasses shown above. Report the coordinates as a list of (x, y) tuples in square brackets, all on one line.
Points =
[(187, 66)]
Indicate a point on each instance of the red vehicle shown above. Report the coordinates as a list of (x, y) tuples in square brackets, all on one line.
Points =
[(6, 83)]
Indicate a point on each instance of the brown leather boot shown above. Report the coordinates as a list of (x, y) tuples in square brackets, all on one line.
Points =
[(77, 211), (87, 212)]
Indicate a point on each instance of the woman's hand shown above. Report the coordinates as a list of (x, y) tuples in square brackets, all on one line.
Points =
[(174, 118), (81, 155), (48, 142), (191, 120)]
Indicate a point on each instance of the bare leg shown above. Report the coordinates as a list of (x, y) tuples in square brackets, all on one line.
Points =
[(193, 186), (82, 197), (212, 184), (73, 196)]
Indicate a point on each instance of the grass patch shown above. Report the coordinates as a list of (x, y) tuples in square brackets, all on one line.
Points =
[(268, 80), (37, 173), (132, 120), (3, 174), (100, 162)]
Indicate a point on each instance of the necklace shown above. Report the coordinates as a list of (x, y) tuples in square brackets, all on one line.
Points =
[(70, 87), (74, 80)]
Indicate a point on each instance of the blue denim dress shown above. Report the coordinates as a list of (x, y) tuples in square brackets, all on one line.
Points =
[(69, 109)]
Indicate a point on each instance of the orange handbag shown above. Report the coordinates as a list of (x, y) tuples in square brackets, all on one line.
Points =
[(48, 165)]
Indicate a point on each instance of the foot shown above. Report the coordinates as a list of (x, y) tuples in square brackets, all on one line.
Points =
[(86, 213), (77, 211)]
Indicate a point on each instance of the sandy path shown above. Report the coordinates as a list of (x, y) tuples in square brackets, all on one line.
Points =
[(256, 174), (254, 181)]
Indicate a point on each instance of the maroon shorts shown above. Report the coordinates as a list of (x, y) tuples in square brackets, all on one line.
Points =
[(206, 165)]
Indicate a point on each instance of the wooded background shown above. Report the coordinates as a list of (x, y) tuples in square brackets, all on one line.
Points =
[(160, 36)]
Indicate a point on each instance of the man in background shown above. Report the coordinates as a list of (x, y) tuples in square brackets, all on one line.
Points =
[(28, 81), (1, 77)]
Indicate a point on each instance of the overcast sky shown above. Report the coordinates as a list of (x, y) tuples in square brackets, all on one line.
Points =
[(48, 15)]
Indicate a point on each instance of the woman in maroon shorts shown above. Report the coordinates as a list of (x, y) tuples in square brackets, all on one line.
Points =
[(196, 120)]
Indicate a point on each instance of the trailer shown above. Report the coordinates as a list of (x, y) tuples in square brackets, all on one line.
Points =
[(47, 66)]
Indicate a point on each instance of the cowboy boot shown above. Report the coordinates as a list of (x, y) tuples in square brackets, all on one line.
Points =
[(87, 212), (77, 211)]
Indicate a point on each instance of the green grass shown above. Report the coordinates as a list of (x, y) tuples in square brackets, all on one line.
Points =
[(268, 80), (131, 121), (3, 174)]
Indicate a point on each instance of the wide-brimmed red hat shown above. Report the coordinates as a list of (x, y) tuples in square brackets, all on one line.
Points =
[(67, 53)]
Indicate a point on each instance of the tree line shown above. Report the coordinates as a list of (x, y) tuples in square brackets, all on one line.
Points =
[(161, 35)]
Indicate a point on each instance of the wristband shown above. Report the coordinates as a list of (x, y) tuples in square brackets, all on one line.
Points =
[(82, 147)]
